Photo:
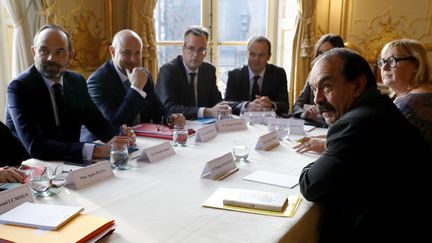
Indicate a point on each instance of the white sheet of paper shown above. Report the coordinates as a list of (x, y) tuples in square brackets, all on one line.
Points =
[(273, 178)]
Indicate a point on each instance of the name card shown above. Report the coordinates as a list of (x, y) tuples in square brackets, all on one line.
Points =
[(219, 168), (280, 125), (206, 133), (228, 125), (16, 196), (296, 126), (157, 152), (267, 141), (89, 175)]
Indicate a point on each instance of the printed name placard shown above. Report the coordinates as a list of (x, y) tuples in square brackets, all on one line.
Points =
[(219, 168), (13, 197), (157, 152), (228, 125), (90, 174), (267, 141), (206, 133), (296, 126)]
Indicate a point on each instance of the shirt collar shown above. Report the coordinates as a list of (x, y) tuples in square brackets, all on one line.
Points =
[(123, 77), (188, 70), (49, 83), (252, 74)]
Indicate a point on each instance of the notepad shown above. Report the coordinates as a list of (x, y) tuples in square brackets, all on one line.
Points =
[(273, 178), (41, 216), (256, 199)]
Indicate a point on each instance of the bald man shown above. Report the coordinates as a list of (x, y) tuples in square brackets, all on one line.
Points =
[(121, 88)]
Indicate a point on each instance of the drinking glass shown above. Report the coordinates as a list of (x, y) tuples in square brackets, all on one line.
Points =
[(180, 135), (224, 114), (119, 156), (241, 150), (40, 183)]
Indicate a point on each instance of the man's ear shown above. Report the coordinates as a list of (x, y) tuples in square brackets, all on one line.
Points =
[(360, 83), (112, 51)]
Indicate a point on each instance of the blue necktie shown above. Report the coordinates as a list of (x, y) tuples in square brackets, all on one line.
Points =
[(127, 84)]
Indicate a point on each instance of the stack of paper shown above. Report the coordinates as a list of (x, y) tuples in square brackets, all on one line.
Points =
[(64, 224)]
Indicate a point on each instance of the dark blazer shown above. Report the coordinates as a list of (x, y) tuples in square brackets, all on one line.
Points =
[(274, 86), (11, 151), (307, 97), (374, 157), (30, 116), (118, 105), (172, 84)]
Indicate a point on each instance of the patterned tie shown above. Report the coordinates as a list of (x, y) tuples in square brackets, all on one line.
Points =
[(127, 84), (192, 88), (59, 100), (255, 88)]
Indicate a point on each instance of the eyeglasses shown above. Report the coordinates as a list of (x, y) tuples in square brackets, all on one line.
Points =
[(392, 61), (192, 50)]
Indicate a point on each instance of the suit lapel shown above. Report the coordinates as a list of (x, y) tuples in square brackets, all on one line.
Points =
[(245, 86), (44, 98), (266, 84)]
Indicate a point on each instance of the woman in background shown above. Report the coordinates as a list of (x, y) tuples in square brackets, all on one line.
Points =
[(406, 70)]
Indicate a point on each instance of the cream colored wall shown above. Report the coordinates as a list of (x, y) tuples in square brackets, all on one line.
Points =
[(366, 25)]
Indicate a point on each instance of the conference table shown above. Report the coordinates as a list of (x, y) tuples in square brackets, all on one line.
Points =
[(162, 201)]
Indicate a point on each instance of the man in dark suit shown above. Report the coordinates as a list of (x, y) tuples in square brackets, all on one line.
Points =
[(187, 84), (47, 105), (11, 151), (259, 85), (122, 89), (373, 158)]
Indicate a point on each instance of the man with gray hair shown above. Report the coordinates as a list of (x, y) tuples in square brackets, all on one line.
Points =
[(187, 84)]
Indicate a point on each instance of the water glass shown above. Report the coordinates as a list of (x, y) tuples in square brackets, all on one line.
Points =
[(224, 114), (119, 156), (241, 150), (40, 183), (180, 135)]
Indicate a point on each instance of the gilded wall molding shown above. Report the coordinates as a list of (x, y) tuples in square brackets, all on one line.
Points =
[(89, 24)]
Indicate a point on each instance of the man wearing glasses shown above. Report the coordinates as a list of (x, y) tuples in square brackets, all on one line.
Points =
[(187, 84), (258, 86)]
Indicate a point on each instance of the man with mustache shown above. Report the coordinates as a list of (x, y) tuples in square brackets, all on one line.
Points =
[(123, 90), (187, 84), (374, 157), (47, 105)]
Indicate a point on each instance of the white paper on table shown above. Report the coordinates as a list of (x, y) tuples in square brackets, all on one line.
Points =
[(273, 178)]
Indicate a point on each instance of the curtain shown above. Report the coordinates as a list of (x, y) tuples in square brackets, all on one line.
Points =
[(302, 47), (26, 21), (141, 20)]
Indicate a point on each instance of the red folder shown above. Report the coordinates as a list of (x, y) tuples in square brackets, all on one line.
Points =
[(156, 131)]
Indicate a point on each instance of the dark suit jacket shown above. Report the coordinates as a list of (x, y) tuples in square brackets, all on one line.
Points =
[(373, 158), (11, 151), (307, 97), (274, 86), (118, 105), (172, 87), (30, 116)]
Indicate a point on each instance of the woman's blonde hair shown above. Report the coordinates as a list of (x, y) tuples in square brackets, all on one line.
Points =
[(416, 49)]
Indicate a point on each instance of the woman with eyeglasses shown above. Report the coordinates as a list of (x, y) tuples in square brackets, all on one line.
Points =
[(406, 70)]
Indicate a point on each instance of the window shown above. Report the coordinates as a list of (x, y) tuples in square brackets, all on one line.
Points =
[(230, 23)]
